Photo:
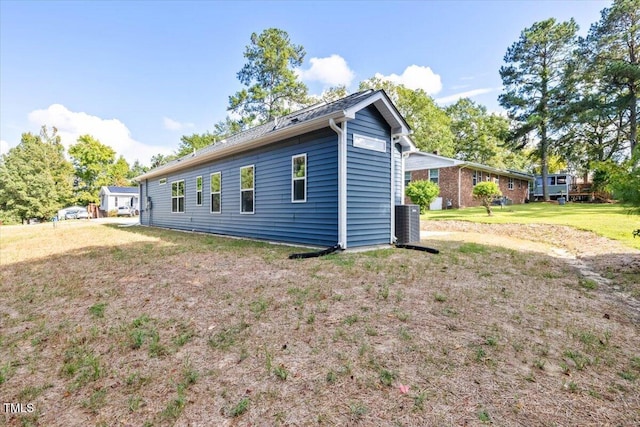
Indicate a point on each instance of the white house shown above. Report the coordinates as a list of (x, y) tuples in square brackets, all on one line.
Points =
[(112, 197)]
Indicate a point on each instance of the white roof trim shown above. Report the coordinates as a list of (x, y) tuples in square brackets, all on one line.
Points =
[(380, 100), (271, 137)]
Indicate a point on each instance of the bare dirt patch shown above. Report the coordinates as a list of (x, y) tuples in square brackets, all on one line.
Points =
[(108, 326), (604, 261)]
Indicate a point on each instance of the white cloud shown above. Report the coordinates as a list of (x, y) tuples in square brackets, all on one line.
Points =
[(4, 147), (111, 132), (175, 125), (467, 94), (416, 77), (330, 71)]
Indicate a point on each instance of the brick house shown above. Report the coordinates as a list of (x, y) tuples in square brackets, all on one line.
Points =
[(457, 178)]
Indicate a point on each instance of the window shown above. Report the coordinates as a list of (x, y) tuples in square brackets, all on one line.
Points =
[(162, 181), (477, 177), (407, 178), (369, 143), (496, 179), (299, 178), (177, 196), (247, 195), (216, 189), (488, 177), (510, 184), (561, 180), (434, 175), (199, 191)]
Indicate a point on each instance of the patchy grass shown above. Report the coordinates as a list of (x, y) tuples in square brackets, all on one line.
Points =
[(139, 326), (608, 220)]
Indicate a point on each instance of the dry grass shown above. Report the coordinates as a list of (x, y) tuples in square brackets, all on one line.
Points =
[(108, 326)]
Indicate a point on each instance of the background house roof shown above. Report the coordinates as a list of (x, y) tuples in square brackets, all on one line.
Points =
[(121, 190), (298, 122), (419, 160)]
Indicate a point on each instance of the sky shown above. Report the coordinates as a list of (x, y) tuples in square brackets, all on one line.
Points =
[(137, 75)]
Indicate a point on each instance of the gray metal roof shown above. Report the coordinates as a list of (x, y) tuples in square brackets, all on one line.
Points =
[(293, 121)]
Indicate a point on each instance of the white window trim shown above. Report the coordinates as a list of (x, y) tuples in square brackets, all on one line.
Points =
[(253, 189), (437, 176), (477, 176), (511, 184), (162, 181), (184, 201), (211, 192), (363, 145), (199, 191), (294, 178)]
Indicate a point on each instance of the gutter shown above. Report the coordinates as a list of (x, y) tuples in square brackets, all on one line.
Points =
[(267, 138), (342, 181)]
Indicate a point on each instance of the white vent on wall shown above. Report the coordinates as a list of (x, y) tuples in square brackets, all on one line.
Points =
[(369, 143)]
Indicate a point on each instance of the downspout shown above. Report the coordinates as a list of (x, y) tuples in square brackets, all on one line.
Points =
[(392, 229), (342, 181), (396, 137), (460, 185)]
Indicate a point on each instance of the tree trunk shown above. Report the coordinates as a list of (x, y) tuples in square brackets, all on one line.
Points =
[(633, 134), (544, 162), (487, 205)]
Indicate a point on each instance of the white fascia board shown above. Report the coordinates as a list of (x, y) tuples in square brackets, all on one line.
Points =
[(278, 135), (387, 110), (484, 168), (420, 161)]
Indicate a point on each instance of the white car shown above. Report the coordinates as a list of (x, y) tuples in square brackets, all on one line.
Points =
[(125, 211), (82, 214)]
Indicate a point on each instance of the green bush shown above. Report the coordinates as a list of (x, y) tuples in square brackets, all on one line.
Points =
[(422, 193), (485, 192)]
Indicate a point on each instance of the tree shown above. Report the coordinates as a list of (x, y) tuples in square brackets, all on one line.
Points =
[(95, 166), (330, 95), (161, 159), (35, 178), (422, 193), (227, 127), (533, 81), (273, 88), (602, 83), (480, 137), (613, 44), (430, 124), (136, 169), (623, 180), (118, 172), (188, 144), (486, 191)]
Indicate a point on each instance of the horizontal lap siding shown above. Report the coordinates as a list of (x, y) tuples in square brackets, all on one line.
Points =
[(368, 182), (276, 217)]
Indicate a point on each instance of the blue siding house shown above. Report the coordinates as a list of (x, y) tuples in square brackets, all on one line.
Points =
[(325, 175)]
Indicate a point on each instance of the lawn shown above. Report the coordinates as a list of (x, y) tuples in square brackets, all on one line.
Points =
[(609, 220), (102, 326)]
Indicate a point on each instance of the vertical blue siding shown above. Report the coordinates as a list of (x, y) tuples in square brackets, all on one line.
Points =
[(276, 217), (368, 182)]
